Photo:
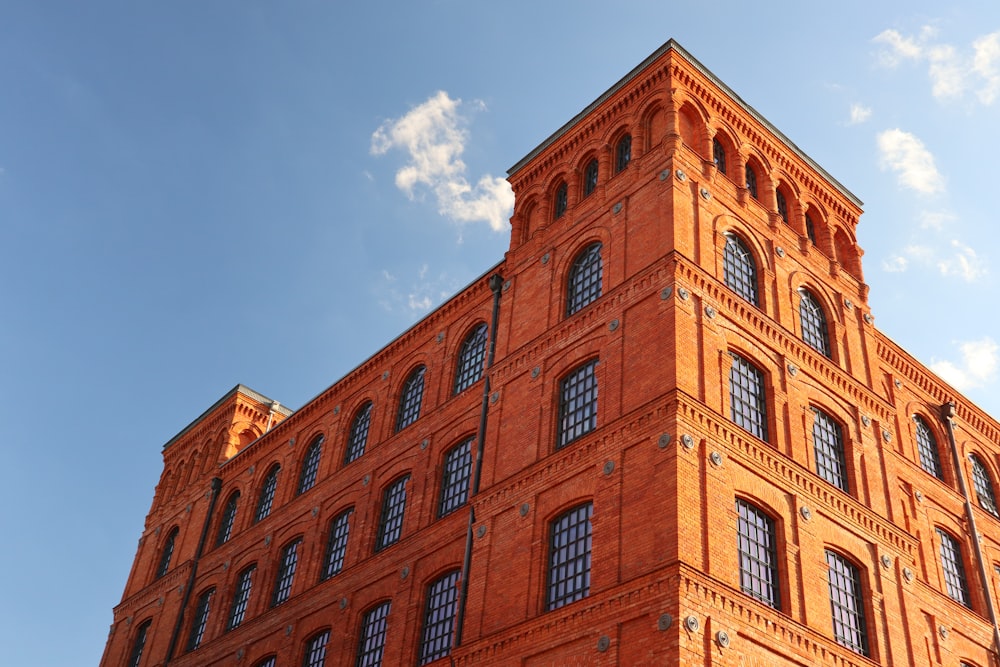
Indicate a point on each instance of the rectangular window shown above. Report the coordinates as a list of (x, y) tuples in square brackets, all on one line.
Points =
[(372, 638), (455, 477), (569, 557), (847, 604), (438, 615), (577, 404), (336, 545), (240, 598), (390, 526), (747, 394), (286, 573), (758, 554)]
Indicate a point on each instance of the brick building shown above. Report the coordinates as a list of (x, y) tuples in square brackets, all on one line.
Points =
[(683, 438)]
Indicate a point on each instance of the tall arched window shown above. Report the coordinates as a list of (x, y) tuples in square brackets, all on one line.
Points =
[(740, 269), (590, 178), (139, 643), (439, 612), (751, 177), (310, 465), (828, 446), (167, 553), (757, 543), (984, 485), (469, 368), (227, 519), (719, 155), (410, 398), (584, 282), (782, 206), (200, 619), (814, 330), (267, 489), (455, 475), (810, 229), (562, 201), (847, 603), (927, 448), (569, 557), (315, 651), (953, 567), (747, 397), (359, 433), (623, 153)]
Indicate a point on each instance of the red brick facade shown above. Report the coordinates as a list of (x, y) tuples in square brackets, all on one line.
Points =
[(663, 441)]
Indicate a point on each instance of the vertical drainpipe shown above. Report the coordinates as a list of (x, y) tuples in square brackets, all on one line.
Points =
[(216, 487), (947, 414), (496, 284)]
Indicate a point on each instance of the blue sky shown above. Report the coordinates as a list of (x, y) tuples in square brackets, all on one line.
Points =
[(200, 194)]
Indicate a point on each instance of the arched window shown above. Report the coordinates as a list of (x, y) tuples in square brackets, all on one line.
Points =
[(286, 572), (167, 553), (623, 153), (751, 177), (336, 543), (828, 446), (267, 489), (310, 465), (390, 525), (139, 643), (984, 486), (199, 620), (359, 433), (814, 330), (810, 229), (569, 557), (228, 519), (953, 567), (719, 155), (585, 279), (757, 542), (470, 358), (455, 475), (439, 612), (782, 206), (371, 639), (561, 201), (740, 269), (410, 399), (590, 178), (927, 448), (315, 653), (241, 598), (747, 397), (847, 603), (577, 404)]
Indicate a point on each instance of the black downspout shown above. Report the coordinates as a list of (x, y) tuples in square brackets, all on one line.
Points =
[(496, 284), (947, 414), (216, 487)]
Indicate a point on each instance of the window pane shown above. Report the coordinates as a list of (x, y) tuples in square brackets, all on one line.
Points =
[(746, 397), (410, 399), (814, 331), (585, 278), (359, 433), (439, 613), (241, 598), (227, 520), (267, 494), (393, 507), (577, 404), (623, 153), (751, 182), (200, 619), (286, 573), (719, 155), (828, 444), (455, 477), (847, 604), (954, 569), (983, 485), (372, 639), (930, 459), (739, 269), (590, 178), (561, 201), (336, 546), (758, 555), (138, 644), (470, 359), (310, 465), (315, 655), (569, 557), (167, 553)]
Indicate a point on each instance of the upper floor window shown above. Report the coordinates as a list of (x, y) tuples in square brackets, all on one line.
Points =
[(590, 177), (751, 177), (814, 330), (371, 640), (758, 554), (585, 279), (983, 485), (455, 476), (782, 206), (241, 598), (569, 557), (267, 490), (167, 553), (315, 655), (286, 572), (719, 155), (410, 398), (439, 611), (623, 153), (927, 448), (359, 433), (954, 569), (390, 526), (228, 519), (200, 619), (810, 229), (747, 397), (336, 543), (269, 661), (577, 404), (562, 201), (470, 358), (310, 465), (139, 643), (740, 269), (847, 604), (828, 446)]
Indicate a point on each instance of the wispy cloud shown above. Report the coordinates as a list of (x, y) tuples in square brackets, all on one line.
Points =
[(418, 295), (433, 135), (950, 259), (953, 71), (905, 154), (980, 360), (859, 114)]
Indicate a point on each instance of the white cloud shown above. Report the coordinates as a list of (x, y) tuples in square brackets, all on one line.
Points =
[(955, 259), (986, 63), (905, 154), (899, 47), (414, 297), (936, 219), (964, 263), (434, 136), (978, 366), (859, 114), (895, 264)]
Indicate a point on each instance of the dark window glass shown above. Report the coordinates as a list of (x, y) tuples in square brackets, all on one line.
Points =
[(359, 433), (590, 178), (470, 359), (269, 661), (747, 395), (410, 399), (139, 644), (200, 619), (719, 155), (814, 331), (828, 445), (310, 465), (847, 604), (390, 525), (227, 520), (623, 153), (562, 201), (241, 597), (267, 490), (740, 269), (983, 485), (782, 206), (930, 459), (455, 477), (167, 553), (569, 557), (758, 554), (315, 655), (372, 638), (954, 569), (439, 613), (577, 404), (585, 277), (810, 229), (286, 573), (751, 181), (336, 543)]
